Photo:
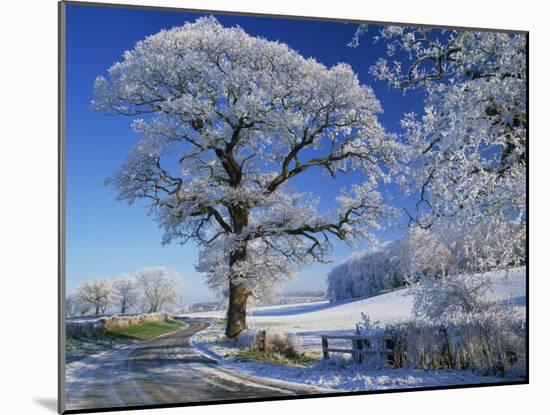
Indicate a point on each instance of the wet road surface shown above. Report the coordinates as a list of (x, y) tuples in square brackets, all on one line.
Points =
[(164, 370)]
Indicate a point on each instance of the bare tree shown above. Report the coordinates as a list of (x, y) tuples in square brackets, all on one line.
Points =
[(71, 305), (126, 289), (160, 287), (98, 294)]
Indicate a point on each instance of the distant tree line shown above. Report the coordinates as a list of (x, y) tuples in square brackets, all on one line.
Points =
[(421, 255), (150, 290)]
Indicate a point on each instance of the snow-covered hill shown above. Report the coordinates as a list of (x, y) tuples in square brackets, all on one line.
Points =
[(396, 305)]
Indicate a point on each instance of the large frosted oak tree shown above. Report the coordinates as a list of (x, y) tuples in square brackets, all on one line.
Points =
[(227, 122)]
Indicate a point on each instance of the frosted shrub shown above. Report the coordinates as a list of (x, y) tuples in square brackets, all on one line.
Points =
[(248, 339), (455, 326), (491, 341), (280, 342), (377, 335), (462, 293), (284, 343)]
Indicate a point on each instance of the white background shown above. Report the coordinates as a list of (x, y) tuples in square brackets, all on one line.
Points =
[(28, 203)]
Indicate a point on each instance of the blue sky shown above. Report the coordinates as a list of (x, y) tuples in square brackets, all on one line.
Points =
[(106, 238)]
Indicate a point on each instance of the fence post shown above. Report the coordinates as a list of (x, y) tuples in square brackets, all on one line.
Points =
[(389, 344), (264, 344), (324, 341), (357, 344)]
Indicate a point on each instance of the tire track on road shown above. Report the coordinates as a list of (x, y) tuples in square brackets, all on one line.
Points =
[(163, 370)]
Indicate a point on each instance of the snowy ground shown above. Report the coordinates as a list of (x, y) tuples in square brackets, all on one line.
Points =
[(336, 374), (308, 321), (82, 347), (344, 376), (165, 369)]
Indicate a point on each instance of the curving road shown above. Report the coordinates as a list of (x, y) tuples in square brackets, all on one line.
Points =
[(163, 370)]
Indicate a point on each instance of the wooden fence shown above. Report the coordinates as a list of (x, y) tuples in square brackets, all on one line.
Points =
[(361, 346)]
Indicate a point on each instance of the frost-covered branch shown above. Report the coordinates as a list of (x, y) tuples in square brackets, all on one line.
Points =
[(467, 152), (228, 121)]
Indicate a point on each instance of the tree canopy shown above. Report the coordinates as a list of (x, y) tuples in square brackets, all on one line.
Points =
[(467, 152), (226, 121)]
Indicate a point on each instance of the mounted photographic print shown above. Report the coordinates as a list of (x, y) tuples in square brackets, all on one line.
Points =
[(258, 207)]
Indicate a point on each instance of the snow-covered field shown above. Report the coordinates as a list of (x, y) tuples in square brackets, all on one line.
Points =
[(309, 320)]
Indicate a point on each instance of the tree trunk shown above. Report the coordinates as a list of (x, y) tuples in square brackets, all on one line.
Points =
[(236, 315), (238, 296), (238, 292)]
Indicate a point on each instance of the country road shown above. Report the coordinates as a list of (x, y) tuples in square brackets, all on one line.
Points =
[(164, 370)]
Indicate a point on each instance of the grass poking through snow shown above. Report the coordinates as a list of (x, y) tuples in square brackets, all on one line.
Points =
[(82, 347), (147, 330)]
